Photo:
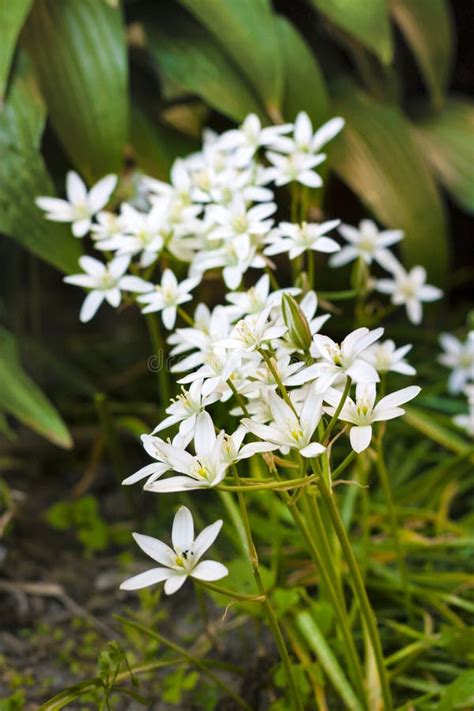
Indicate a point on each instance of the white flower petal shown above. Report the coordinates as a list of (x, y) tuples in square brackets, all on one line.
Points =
[(209, 570), (144, 580), (155, 548), (360, 437), (182, 533)]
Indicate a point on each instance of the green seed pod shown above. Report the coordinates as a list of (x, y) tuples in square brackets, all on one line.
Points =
[(296, 322)]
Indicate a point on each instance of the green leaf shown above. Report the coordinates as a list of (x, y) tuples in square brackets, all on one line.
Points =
[(156, 146), (12, 17), (247, 32), (447, 143), (422, 421), (23, 176), (304, 88), (366, 21), (189, 57), (20, 397), (428, 29), (459, 694), (80, 55), (378, 158), (320, 647)]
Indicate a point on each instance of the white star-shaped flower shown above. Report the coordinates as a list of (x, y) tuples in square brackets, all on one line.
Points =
[(80, 206)]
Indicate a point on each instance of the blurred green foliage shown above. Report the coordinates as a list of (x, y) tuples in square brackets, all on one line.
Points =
[(139, 80)]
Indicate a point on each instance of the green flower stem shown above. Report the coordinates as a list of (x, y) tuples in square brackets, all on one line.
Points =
[(159, 349), (185, 316), (268, 360), (310, 259), (344, 464), (322, 556), (272, 619), (238, 397), (230, 593), (337, 411), (110, 435), (189, 657), (359, 589), (270, 486), (393, 519), (273, 279), (337, 295)]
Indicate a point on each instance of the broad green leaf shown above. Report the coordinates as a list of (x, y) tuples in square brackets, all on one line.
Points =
[(12, 17), (188, 56), (448, 145), (325, 656), (247, 32), (20, 397), (304, 87), (80, 55), (378, 158), (459, 695), (366, 20), (23, 176), (427, 27), (156, 146)]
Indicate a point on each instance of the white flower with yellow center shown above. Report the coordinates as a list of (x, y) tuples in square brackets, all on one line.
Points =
[(80, 206), (287, 429), (386, 357), (297, 239), (409, 289), (366, 242), (167, 296), (105, 281), (181, 561), (205, 469), (364, 412)]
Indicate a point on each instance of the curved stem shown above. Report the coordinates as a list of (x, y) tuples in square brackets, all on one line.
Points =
[(189, 657), (160, 352), (271, 485), (392, 515), (272, 619), (229, 593), (338, 409), (359, 589), (319, 551), (276, 376), (238, 397)]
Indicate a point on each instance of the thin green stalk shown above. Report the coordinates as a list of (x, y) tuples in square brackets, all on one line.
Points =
[(268, 360), (310, 259), (189, 657), (344, 464), (230, 593), (185, 316), (238, 397), (273, 279), (272, 620), (282, 485), (337, 597), (338, 409), (110, 435), (359, 589), (158, 346), (393, 520)]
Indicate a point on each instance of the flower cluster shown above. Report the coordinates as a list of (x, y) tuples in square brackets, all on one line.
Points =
[(459, 357), (287, 383)]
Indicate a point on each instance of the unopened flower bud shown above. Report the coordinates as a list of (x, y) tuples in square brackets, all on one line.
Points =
[(296, 322)]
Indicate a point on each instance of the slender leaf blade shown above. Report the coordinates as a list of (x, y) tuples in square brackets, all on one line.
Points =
[(378, 158), (319, 646), (22, 398), (79, 52), (23, 176), (247, 32), (188, 56), (12, 17), (367, 21), (428, 29), (304, 86), (447, 142)]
